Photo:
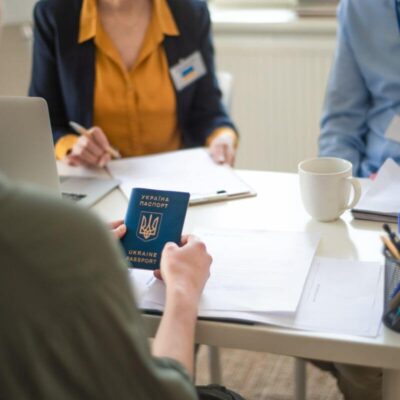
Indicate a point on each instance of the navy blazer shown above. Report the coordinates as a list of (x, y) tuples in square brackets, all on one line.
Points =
[(64, 71)]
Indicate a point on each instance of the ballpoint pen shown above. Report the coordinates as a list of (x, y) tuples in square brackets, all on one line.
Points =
[(393, 237), (84, 132), (219, 195), (394, 302), (391, 247)]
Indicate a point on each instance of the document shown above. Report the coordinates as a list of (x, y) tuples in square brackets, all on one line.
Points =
[(340, 297), (252, 270), (343, 297), (82, 172), (190, 171), (381, 202)]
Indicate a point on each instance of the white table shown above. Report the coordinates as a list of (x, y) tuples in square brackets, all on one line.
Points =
[(278, 207)]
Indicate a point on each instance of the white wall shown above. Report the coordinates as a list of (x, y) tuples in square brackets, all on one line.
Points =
[(278, 92), (15, 47), (15, 61), (18, 11), (280, 64)]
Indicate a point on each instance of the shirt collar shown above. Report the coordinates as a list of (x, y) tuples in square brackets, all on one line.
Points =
[(165, 18), (88, 21), (89, 16)]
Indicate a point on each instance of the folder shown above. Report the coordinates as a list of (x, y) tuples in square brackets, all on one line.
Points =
[(190, 170)]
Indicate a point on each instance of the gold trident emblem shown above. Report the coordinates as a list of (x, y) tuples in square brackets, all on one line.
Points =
[(149, 227)]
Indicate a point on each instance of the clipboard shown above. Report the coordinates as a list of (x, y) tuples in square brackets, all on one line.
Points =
[(190, 170)]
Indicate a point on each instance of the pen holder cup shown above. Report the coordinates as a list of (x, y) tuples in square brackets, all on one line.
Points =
[(391, 314)]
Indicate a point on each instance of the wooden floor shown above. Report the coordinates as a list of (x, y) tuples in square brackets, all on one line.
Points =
[(261, 376)]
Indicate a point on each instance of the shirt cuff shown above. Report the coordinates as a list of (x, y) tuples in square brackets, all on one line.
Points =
[(64, 145), (224, 130)]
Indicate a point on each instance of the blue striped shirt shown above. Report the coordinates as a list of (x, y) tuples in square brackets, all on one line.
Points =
[(363, 93)]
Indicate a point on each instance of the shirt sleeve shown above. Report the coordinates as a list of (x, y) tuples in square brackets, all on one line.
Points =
[(343, 123), (64, 145), (223, 131), (110, 330)]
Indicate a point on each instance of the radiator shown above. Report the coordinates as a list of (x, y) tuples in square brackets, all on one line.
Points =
[(278, 92)]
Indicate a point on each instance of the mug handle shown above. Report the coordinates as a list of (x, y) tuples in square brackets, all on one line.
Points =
[(357, 192)]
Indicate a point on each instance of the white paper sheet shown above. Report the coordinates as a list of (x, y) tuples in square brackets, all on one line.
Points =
[(253, 270), (343, 297), (190, 171), (384, 193), (82, 172), (340, 296)]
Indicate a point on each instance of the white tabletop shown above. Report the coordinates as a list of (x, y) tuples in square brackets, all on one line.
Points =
[(278, 207)]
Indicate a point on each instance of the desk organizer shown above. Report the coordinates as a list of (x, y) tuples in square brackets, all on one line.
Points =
[(391, 316)]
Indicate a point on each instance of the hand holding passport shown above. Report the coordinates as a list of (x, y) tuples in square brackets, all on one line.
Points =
[(154, 217)]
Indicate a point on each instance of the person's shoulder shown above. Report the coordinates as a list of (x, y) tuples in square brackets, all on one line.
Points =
[(188, 9), (189, 5), (57, 8), (34, 222), (351, 9), (35, 209)]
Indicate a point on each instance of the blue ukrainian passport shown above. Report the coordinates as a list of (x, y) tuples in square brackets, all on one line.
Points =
[(154, 217)]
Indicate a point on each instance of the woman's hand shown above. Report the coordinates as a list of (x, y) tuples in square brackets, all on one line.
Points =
[(90, 150), (222, 149)]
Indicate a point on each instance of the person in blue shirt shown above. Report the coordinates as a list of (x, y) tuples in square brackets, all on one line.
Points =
[(361, 116), (361, 122)]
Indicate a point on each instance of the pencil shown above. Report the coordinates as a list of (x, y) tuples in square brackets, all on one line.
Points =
[(84, 132), (391, 247), (394, 302)]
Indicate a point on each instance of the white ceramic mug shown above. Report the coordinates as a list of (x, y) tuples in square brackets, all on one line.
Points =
[(325, 185)]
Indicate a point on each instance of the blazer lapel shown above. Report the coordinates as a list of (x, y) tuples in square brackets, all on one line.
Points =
[(76, 61)]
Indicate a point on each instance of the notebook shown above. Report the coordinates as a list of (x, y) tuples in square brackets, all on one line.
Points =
[(381, 202)]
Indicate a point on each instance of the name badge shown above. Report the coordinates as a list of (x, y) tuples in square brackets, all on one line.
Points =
[(188, 70)]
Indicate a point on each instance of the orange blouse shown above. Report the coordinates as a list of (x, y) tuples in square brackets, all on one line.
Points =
[(136, 108)]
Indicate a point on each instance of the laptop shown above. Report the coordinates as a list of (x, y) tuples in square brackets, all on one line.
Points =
[(27, 153)]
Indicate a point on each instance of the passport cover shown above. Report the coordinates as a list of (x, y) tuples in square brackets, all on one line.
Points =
[(154, 217)]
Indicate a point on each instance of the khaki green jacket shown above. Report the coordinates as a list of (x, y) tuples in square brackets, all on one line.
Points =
[(69, 328)]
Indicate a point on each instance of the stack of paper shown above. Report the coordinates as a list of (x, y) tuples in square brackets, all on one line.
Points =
[(190, 171), (341, 297), (381, 202), (253, 271), (338, 296)]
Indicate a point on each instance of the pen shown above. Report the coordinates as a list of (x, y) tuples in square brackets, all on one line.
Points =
[(393, 237), (396, 290), (219, 195), (394, 302), (398, 223), (391, 247), (84, 132)]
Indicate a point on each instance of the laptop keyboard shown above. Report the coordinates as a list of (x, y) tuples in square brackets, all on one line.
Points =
[(73, 196)]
